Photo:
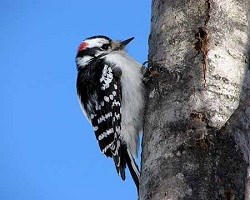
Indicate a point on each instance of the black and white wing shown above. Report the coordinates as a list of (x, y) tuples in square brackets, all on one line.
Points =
[(101, 101), (100, 94)]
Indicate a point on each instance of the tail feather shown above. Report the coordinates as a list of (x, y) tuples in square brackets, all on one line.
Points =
[(122, 158), (133, 168)]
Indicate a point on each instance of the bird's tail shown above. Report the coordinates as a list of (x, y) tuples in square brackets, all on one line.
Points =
[(123, 158), (133, 168)]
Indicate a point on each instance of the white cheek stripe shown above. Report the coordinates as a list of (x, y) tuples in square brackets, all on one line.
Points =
[(84, 60)]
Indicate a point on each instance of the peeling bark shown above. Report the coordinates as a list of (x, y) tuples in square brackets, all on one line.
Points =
[(197, 123)]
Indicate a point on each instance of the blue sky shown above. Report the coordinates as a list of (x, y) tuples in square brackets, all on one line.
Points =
[(47, 148)]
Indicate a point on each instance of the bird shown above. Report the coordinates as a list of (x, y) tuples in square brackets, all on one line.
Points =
[(111, 93)]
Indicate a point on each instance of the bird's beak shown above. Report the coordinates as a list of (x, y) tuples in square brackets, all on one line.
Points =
[(125, 42), (117, 45)]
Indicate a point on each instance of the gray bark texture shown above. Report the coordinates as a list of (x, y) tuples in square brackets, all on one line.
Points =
[(196, 142)]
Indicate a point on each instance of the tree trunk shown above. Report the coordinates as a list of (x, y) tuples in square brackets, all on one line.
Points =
[(197, 122)]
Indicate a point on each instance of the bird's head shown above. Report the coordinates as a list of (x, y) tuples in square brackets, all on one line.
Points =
[(98, 46)]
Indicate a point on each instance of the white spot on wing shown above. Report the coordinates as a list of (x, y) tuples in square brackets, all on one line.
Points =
[(98, 107), (107, 77), (118, 129), (116, 103), (105, 134), (117, 116), (104, 117), (106, 99), (107, 147)]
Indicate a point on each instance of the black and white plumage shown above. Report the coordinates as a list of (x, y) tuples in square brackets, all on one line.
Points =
[(111, 94)]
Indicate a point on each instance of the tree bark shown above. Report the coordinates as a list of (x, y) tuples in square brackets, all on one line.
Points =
[(196, 141)]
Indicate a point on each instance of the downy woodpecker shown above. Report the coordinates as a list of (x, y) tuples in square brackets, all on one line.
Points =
[(111, 94)]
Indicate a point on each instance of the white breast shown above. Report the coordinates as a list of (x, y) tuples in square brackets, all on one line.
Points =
[(132, 98)]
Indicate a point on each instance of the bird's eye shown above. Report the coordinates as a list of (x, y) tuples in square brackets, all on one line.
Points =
[(105, 46)]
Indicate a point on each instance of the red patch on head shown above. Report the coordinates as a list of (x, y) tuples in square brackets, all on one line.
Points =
[(83, 46)]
